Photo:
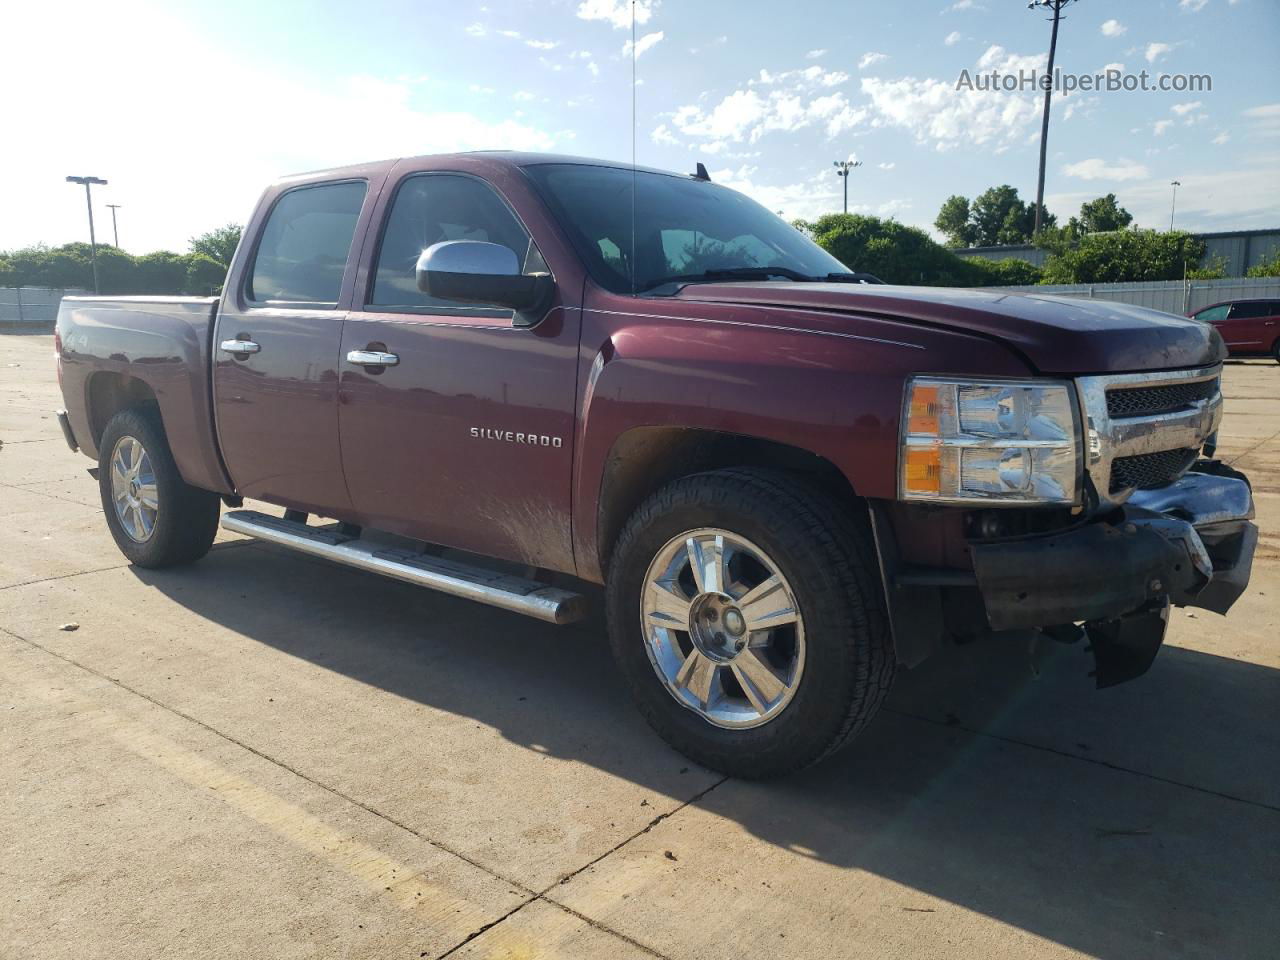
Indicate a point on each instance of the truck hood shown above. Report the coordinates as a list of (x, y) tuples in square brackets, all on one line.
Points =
[(1060, 335)]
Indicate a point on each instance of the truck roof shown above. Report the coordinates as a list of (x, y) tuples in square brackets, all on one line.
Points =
[(510, 158)]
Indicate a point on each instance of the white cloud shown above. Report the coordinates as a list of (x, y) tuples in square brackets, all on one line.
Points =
[(1160, 126), (1097, 169), (1112, 28), (871, 58), (809, 77), (404, 118), (510, 34), (963, 5), (1265, 119), (887, 166), (662, 134), (1182, 109), (937, 113), (647, 42), (1193, 6), (953, 38), (1108, 67), (1156, 50), (748, 115), (616, 12), (815, 54), (476, 88), (806, 199), (476, 30), (1221, 138), (542, 44), (594, 68), (524, 96)]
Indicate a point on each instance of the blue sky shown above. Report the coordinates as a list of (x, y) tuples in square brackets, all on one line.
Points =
[(190, 108)]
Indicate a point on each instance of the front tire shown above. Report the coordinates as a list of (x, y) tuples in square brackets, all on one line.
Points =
[(156, 518), (746, 613)]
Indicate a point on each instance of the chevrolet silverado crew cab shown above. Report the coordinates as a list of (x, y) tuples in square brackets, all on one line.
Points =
[(509, 376)]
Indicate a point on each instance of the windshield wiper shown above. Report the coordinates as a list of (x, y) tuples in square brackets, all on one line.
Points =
[(732, 273), (852, 278)]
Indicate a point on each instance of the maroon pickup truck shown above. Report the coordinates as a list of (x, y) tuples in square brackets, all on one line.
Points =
[(509, 376)]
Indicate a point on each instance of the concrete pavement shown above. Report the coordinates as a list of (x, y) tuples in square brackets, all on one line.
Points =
[(265, 755)]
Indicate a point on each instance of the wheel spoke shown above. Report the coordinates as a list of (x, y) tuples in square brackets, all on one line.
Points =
[(706, 557), (119, 477), (758, 682), (696, 675), (148, 496), (767, 605), (665, 608)]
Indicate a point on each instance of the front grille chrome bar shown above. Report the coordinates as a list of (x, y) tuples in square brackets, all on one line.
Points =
[(1108, 439)]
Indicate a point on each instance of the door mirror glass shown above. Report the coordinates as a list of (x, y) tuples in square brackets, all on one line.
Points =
[(474, 271)]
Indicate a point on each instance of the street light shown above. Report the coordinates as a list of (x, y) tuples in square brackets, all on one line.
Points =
[(842, 170), (88, 199), (115, 232), (1173, 206)]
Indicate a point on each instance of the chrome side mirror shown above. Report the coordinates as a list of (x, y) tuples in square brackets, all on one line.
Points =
[(485, 273)]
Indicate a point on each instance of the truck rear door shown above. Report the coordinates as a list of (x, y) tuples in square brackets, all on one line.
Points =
[(275, 348), (465, 438)]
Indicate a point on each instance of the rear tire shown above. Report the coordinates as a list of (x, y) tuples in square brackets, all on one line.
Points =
[(156, 518), (780, 535)]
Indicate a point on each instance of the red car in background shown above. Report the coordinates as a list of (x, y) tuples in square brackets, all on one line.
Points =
[(1251, 328)]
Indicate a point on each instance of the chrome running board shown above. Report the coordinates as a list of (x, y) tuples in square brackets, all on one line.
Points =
[(517, 594)]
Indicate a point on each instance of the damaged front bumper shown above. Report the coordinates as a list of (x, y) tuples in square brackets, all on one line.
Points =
[(1188, 544)]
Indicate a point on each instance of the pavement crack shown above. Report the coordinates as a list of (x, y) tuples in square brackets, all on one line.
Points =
[(951, 724), (639, 833), (1261, 443)]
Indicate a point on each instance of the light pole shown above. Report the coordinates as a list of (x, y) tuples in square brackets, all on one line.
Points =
[(115, 231), (1173, 206), (88, 199), (1056, 6), (842, 170)]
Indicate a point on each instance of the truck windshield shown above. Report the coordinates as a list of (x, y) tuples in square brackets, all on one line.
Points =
[(685, 230)]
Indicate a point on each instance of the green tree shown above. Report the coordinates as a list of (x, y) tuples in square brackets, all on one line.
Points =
[(218, 245), (205, 275), (895, 252), (953, 222), (1103, 214), (998, 215), (162, 272), (1125, 256)]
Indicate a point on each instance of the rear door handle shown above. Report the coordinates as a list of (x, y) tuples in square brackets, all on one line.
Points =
[(239, 348), (372, 358)]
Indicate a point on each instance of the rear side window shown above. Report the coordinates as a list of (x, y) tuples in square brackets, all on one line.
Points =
[(1213, 314), (1250, 309), (305, 244), (432, 208)]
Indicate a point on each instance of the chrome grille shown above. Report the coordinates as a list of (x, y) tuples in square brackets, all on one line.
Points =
[(1143, 430), (1150, 470), (1147, 401)]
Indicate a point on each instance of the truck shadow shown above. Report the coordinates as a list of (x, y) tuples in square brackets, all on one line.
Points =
[(1137, 821)]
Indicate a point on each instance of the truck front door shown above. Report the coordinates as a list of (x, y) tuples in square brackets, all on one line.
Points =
[(464, 437), (275, 350)]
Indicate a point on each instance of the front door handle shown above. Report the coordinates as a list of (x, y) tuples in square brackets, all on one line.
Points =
[(239, 348), (372, 358)]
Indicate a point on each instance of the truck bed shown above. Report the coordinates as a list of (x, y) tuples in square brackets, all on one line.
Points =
[(160, 345)]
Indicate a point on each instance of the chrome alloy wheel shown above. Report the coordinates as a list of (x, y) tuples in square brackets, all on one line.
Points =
[(722, 628), (133, 489)]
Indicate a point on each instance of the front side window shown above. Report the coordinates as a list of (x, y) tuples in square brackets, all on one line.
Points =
[(1214, 314), (431, 208), (305, 244), (682, 228)]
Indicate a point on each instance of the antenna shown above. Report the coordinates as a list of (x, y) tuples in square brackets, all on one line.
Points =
[(633, 148), (701, 173)]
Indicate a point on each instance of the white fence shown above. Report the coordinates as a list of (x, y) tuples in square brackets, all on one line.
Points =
[(32, 306), (1171, 296)]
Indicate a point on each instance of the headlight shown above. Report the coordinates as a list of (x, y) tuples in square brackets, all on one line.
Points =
[(990, 441)]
